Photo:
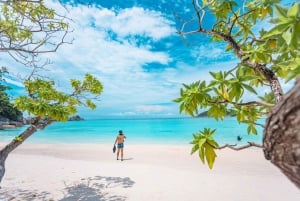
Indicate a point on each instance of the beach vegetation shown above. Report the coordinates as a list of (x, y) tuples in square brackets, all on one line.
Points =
[(7, 108), (29, 29), (263, 35)]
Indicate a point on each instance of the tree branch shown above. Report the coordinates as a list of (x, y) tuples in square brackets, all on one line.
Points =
[(236, 19), (42, 31), (233, 147), (268, 74), (254, 103)]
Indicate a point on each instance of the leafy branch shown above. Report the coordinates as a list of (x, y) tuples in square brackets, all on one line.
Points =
[(264, 56), (29, 28), (45, 101)]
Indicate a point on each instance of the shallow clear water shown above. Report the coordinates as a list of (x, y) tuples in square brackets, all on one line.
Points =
[(138, 131)]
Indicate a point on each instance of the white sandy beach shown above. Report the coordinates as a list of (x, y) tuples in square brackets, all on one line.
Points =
[(88, 172)]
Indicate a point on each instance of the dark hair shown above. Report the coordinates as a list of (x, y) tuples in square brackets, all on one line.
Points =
[(120, 132)]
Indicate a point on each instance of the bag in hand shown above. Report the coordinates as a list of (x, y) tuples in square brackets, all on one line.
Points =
[(114, 149)]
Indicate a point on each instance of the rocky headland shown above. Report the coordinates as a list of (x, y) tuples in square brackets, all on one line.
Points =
[(8, 123), (21, 121)]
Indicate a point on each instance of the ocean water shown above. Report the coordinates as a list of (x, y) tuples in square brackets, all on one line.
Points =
[(176, 131)]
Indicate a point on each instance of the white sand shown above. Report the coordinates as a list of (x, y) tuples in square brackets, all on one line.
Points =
[(149, 173)]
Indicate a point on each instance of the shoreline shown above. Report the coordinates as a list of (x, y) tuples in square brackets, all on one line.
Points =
[(149, 172), (130, 142), (160, 131)]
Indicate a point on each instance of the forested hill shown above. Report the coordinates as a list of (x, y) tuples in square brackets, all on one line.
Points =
[(229, 112), (9, 115)]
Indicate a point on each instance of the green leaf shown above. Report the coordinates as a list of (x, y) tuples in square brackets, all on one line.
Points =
[(210, 156), (295, 36), (201, 154), (201, 142), (195, 148), (212, 143), (281, 11), (249, 88), (287, 36), (213, 74), (276, 30), (251, 128), (282, 73), (254, 131), (293, 11)]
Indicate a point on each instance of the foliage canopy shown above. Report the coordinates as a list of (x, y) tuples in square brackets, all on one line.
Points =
[(29, 28), (46, 101), (265, 56)]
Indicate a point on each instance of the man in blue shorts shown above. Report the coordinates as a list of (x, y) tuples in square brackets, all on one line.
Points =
[(120, 140)]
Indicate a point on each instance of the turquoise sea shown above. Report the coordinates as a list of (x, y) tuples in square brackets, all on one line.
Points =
[(176, 131)]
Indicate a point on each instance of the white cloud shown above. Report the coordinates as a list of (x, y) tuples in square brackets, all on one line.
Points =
[(93, 50), (117, 63), (138, 21), (146, 109)]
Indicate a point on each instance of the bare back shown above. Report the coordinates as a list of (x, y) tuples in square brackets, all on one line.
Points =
[(120, 139)]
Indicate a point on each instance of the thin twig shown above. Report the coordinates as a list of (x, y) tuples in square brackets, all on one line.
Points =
[(254, 103), (233, 147)]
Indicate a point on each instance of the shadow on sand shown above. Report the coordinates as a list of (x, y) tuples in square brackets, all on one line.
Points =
[(91, 189), (87, 189), (22, 194), (127, 159)]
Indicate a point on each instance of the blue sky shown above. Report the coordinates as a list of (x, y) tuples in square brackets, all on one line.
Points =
[(133, 48)]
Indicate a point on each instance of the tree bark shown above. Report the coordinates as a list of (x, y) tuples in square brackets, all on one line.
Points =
[(281, 139), (39, 124)]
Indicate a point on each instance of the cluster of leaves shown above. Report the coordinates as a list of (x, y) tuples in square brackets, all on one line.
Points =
[(284, 40), (225, 90), (276, 49), (7, 109), (46, 101), (205, 145)]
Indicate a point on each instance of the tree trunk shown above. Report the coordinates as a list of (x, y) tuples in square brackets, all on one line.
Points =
[(12, 146), (282, 135), (2, 164), (39, 124)]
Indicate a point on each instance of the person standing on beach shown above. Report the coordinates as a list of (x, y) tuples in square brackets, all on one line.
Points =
[(120, 140)]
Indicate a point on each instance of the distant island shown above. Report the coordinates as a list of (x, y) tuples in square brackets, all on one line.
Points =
[(6, 122), (76, 118), (229, 112)]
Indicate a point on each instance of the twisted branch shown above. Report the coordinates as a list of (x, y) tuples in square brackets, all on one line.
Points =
[(233, 147)]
